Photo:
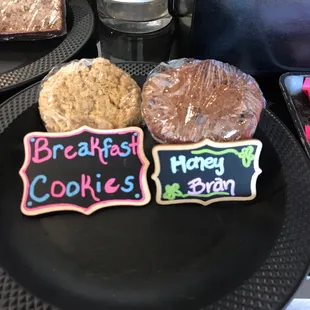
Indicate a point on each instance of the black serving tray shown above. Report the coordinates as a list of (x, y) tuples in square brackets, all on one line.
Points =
[(297, 103), (24, 62), (248, 255)]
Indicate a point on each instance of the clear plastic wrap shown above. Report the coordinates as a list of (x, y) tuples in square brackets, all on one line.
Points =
[(95, 93), (32, 20), (188, 100)]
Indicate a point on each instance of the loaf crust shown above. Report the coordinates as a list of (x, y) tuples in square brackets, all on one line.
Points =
[(188, 101), (97, 94), (32, 18)]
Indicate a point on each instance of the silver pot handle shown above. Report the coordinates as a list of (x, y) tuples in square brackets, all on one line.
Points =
[(180, 8)]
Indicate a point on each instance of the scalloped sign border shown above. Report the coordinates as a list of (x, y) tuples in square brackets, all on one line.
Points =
[(174, 190), (55, 207)]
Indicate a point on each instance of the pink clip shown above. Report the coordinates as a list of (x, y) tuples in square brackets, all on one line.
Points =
[(306, 87), (307, 132)]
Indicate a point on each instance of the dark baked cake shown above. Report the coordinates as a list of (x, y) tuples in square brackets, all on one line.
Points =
[(191, 100), (32, 18)]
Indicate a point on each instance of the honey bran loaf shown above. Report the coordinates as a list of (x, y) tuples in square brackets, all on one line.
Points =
[(189, 101)]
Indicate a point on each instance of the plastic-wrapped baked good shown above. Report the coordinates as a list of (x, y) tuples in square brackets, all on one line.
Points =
[(189, 100), (95, 93), (29, 20)]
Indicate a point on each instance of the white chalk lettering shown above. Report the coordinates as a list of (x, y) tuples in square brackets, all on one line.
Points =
[(181, 163)]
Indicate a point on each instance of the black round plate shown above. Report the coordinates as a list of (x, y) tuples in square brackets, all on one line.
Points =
[(22, 62), (226, 256)]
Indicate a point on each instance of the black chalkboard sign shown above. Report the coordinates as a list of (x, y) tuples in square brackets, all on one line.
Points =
[(206, 172), (84, 170)]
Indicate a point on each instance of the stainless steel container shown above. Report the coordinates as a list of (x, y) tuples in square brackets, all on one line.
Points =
[(134, 16)]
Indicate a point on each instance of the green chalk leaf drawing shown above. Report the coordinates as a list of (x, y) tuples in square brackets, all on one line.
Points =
[(173, 191), (246, 154)]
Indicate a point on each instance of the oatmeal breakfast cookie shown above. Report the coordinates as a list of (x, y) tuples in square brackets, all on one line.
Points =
[(94, 93)]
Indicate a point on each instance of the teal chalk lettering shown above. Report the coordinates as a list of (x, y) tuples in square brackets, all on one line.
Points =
[(129, 183), (197, 162), (192, 164), (209, 163), (98, 184), (57, 147), (220, 165), (126, 148), (84, 150), (175, 163), (73, 188), (33, 184)]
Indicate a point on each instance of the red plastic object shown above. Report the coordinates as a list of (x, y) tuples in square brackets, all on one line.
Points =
[(307, 132), (306, 87)]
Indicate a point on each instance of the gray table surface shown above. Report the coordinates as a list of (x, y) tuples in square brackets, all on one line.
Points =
[(301, 299)]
